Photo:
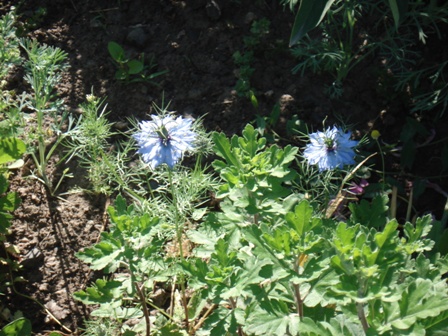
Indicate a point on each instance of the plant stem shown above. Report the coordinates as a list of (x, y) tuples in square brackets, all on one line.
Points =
[(362, 316), (383, 164), (179, 241), (176, 215), (204, 317), (141, 295), (360, 307), (297, 296)]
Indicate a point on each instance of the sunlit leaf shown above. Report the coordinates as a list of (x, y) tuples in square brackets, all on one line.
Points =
[(21, 326), (11, 149)]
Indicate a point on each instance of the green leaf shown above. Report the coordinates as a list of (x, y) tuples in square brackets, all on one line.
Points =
[(262, 323), (309, 15), (223, 321), (399, 8), (250, 142), (301, 219), (116, 51), (134, 67), (223, 149), (170, 329), (19, 327), (103, 292), (10, 202), (422, 299), (102, 255), (249, 274), (3, 184), (222, 253), (263, 250), (415, 235), (11, 149), (370, 214), (121, 74), (438, 325)]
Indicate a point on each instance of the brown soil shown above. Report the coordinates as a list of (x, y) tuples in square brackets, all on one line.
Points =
[(194, 41)]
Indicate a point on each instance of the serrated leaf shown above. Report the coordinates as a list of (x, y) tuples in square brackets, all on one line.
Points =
[(102, 255), (419, 301), (414, 234), (250, 142), (223, 149), (280, 160), (263, 250), (301, 219), (103, 292), (249, 274), (372, 214)]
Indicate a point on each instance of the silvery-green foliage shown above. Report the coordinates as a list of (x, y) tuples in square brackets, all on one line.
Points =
[(9, 45)]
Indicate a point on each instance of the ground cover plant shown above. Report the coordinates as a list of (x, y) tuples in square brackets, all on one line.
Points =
[(266, 174)]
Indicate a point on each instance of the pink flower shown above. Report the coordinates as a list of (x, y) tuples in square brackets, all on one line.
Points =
[(358, 189)]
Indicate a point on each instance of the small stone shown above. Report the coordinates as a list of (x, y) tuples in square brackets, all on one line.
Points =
[(249, 18), (57, 311), (137, 37), (269, 93), (32, 258)]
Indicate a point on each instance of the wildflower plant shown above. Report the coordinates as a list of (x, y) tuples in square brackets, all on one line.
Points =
[(330, 149), (269, 261), (9, 46), (164, 140), (132, 70), (91, 142), (44, 68)]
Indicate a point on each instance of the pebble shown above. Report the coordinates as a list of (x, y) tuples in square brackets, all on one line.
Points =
[(137, 37)]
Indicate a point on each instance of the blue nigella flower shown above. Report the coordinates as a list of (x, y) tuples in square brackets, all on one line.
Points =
[(330, 149), (164, 140)]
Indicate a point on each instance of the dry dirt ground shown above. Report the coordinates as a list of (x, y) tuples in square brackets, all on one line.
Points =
[(194, 40)]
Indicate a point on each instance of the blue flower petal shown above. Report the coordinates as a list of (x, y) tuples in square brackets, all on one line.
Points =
[(164, 147), (341, 152)]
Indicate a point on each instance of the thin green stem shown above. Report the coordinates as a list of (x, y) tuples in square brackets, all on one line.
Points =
[(176, 215), (179, 229), (383, 164)]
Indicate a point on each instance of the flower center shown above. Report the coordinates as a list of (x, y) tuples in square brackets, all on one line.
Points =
[(330, 144), (164, 135)]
